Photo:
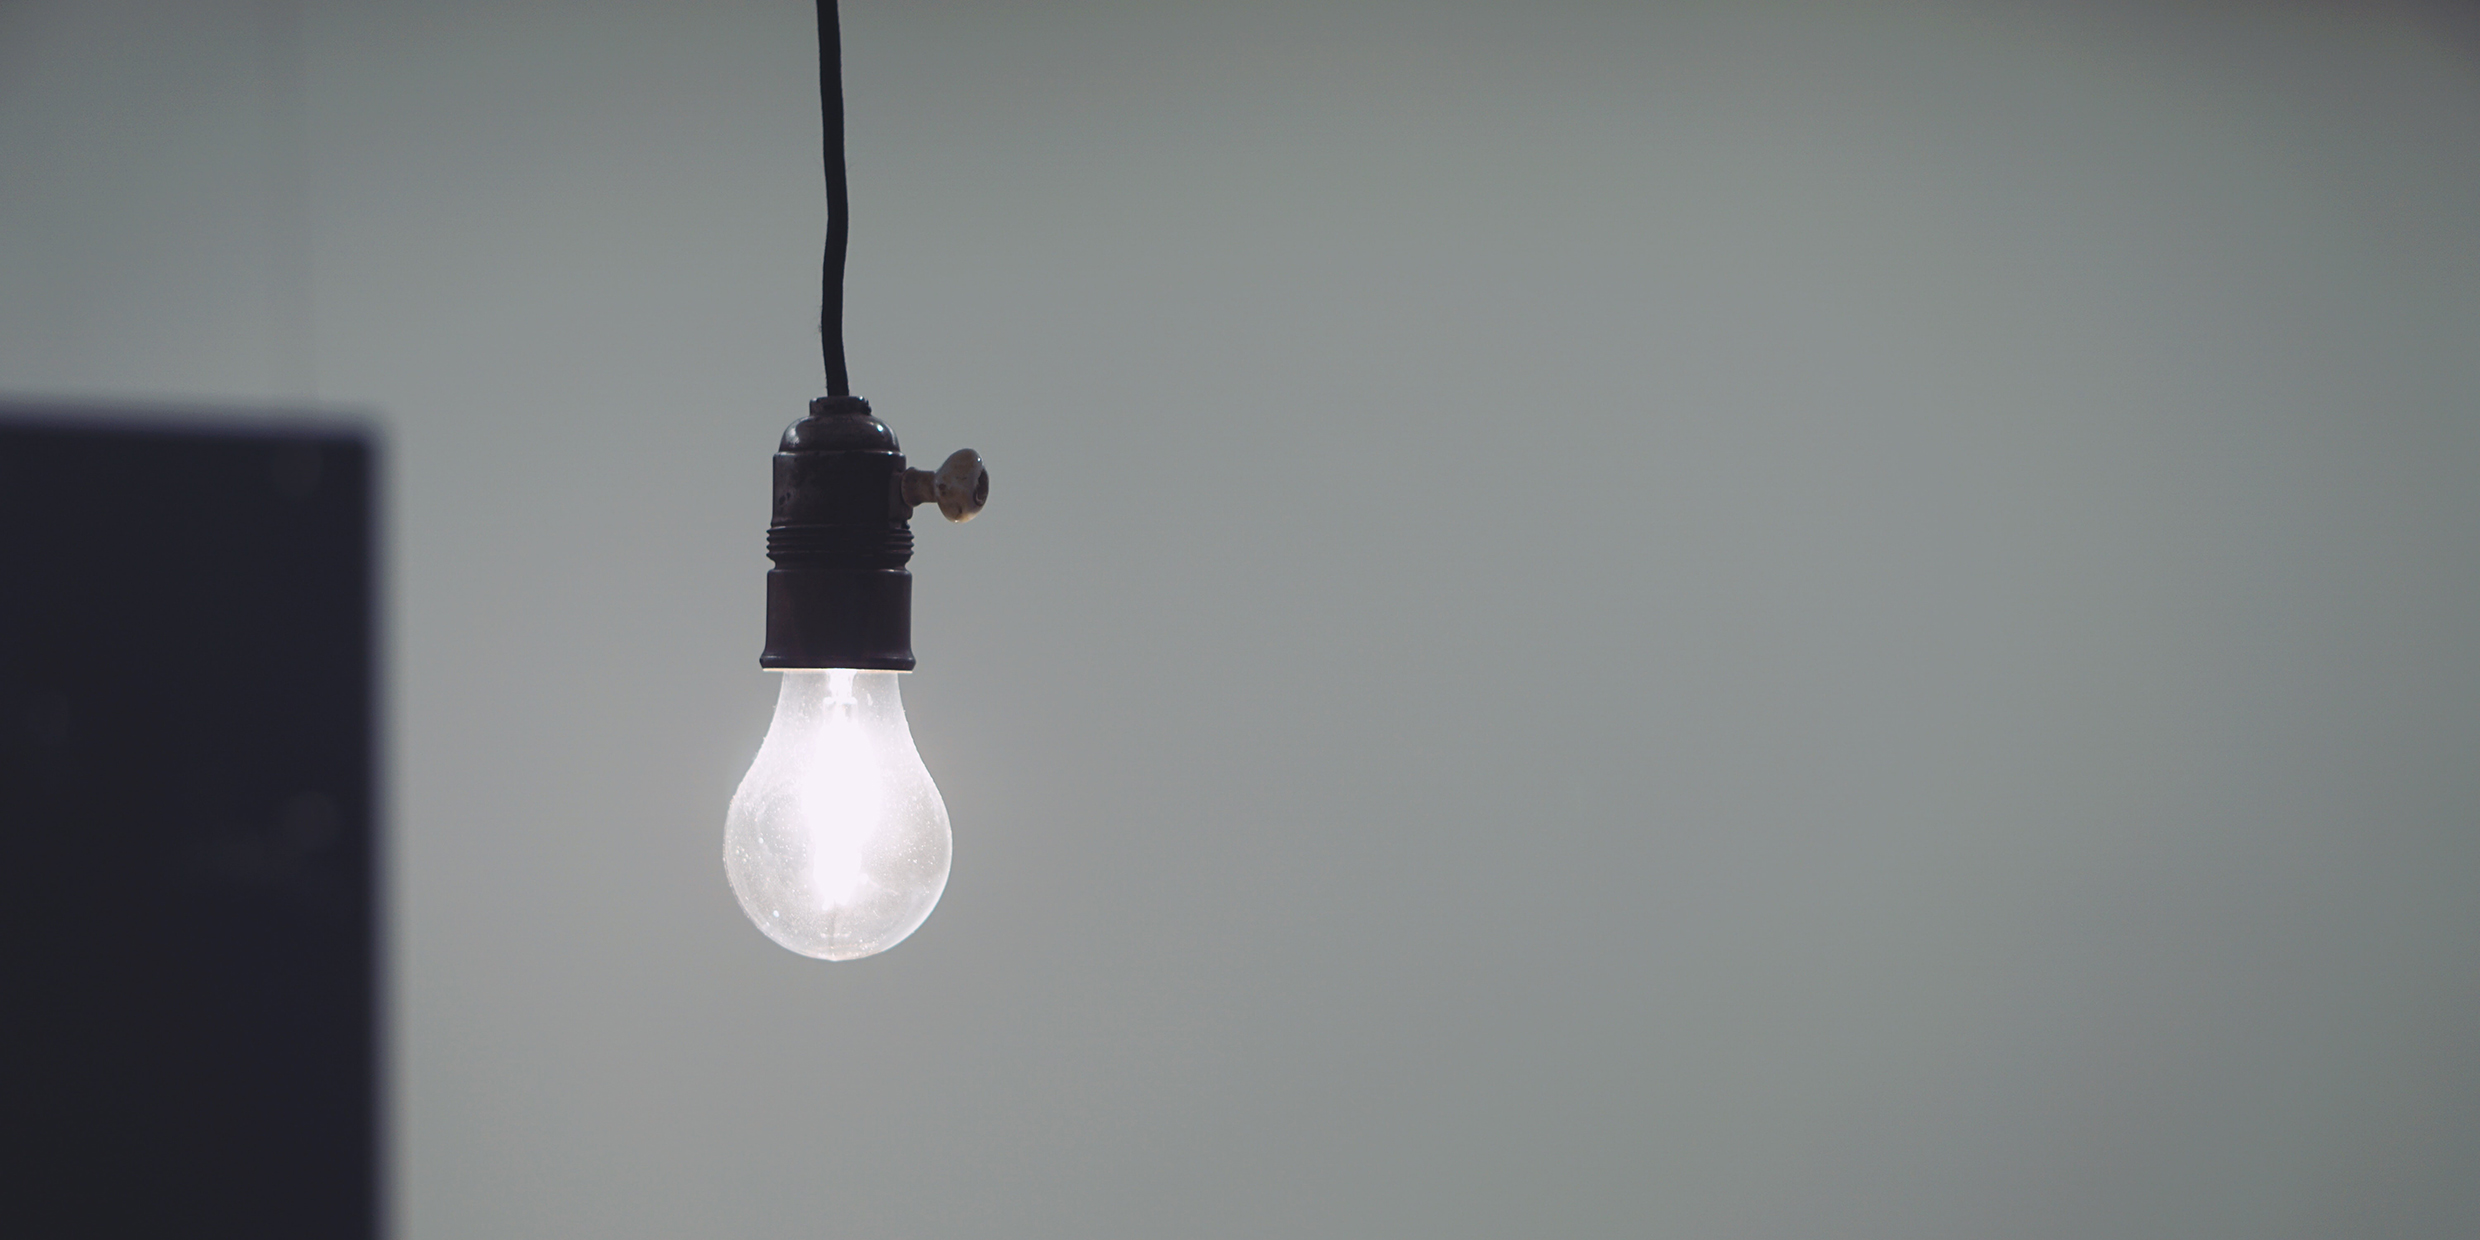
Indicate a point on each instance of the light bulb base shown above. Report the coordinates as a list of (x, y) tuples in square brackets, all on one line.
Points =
[(839, 617)]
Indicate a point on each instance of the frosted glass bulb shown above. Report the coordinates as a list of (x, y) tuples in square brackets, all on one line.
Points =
[(837, 841)]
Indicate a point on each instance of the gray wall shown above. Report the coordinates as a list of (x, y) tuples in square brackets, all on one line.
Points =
[(1717, 620)]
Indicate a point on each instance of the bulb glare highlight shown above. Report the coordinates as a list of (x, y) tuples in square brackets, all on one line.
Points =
[(837, 842)]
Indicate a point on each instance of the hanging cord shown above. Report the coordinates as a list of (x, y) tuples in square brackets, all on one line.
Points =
[(831, 278)]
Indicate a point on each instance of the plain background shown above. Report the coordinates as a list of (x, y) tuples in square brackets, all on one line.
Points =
[(1710, 620)]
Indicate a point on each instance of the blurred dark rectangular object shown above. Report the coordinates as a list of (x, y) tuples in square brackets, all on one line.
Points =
[(186, 796)]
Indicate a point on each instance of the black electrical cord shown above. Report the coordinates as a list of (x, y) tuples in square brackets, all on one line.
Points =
[(839, 595), (831, 277)]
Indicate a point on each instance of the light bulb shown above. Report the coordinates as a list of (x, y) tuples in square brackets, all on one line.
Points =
[(837, 841)]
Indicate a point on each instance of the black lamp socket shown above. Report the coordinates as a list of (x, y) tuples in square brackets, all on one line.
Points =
[(839, 594)]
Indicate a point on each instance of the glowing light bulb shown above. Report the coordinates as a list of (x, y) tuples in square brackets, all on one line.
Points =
[(837, 841)]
